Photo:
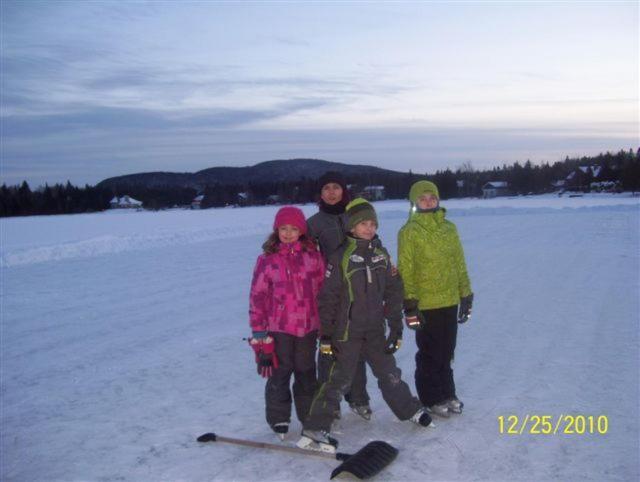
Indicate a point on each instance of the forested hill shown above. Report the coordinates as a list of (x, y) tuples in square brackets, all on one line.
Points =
[(269, 171)]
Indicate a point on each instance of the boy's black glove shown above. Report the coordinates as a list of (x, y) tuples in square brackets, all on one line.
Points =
[(464, 311), (326, 347), (414, 318), (394, 341)]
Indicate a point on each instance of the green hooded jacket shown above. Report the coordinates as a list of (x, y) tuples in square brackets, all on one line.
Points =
[(431, 261)]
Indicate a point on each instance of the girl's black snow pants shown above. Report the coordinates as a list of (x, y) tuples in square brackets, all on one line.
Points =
[(296, 356), (436, 345)]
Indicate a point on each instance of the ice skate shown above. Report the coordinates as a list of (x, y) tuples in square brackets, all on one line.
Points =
[(454, 405), (440, 409), (317, 440), (363, 411), (422, 418), (281, 429)]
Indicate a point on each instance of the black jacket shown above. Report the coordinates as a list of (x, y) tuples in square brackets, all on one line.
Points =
[(359, 291), (328, 229)]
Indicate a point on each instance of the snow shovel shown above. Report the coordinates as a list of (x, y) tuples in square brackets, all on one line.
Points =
[(365, 463)]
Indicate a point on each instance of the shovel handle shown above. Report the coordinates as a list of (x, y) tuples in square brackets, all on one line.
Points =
[(212, 437)]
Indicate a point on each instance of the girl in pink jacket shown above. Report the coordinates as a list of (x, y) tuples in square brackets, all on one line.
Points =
[(284, 317)]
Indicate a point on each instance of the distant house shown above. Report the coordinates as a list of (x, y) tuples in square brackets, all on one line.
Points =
[(495, 189), (125, 202), (197, 201), (580, 178), (243, 198), (374, 193)]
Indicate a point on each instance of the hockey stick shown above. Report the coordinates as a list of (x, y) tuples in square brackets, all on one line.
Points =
[(365, 463)]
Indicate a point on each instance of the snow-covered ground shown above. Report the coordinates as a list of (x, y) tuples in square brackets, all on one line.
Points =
[(122, 341)]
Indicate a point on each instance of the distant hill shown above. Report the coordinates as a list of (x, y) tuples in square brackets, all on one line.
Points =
[(269, 171)]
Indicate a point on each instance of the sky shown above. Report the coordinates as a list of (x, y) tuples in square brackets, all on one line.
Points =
[(95, 89)]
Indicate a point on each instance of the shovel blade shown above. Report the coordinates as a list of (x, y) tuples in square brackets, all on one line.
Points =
[(368, 461)]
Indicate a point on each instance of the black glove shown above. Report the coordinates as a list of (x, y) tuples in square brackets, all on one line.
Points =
[(414, 318), (394, 341), (464, 311), (326, 347)]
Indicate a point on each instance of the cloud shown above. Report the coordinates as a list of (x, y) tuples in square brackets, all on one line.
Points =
[(119, 120), (538, 103), (64, 80)]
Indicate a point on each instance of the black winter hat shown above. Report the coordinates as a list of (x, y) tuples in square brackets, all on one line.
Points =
[(332, 176)]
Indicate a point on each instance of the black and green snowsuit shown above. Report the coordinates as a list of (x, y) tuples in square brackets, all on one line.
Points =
[(330, 231), (358, 294)]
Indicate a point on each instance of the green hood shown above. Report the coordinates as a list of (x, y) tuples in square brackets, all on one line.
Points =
[(422, 187)]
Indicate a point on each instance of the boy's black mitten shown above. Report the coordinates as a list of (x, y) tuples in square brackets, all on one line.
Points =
[(394, 340), (326, 347), (414, 318), (464, 311)]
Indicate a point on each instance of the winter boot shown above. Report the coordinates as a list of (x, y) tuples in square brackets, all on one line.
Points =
[(440, 409), (362, 410), (421, 417), (454, 405), (281, 429), (317, 440)]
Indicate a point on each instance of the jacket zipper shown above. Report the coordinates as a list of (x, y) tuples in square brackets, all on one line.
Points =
[(296, 288)]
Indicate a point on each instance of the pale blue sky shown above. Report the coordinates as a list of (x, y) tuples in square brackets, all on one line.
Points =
[(97, 89)]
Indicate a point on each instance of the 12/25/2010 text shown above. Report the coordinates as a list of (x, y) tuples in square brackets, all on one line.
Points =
[(553, 424)]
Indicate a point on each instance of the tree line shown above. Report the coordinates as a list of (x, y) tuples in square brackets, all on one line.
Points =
[(20, 200), (621, 168)]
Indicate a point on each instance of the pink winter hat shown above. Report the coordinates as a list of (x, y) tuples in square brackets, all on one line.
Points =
[(290, 215)]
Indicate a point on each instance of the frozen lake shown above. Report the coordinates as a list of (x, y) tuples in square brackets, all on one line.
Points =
[(122, 341)]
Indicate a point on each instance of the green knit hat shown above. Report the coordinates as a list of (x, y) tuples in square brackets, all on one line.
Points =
[(359, 210), (422, 187)]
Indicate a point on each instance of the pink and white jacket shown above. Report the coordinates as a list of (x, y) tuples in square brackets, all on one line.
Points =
[(284, 289)]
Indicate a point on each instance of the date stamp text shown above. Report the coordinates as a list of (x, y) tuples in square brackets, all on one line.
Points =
[(553, 424)]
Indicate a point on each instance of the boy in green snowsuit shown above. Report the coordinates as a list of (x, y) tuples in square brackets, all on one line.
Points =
[(437, 295), (360, 295)]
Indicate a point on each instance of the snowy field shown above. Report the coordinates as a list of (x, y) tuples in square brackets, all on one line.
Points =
[(122, 342)]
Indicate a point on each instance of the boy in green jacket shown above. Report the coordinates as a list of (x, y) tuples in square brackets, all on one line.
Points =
[(437, 295), (360, 296)]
